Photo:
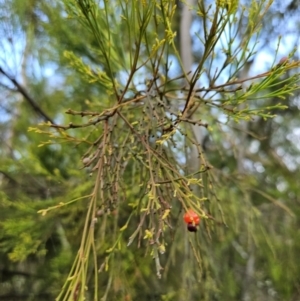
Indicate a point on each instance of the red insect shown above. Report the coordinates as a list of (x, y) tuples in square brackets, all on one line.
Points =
[(192, 220)]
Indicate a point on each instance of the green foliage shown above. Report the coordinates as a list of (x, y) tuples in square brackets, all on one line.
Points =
[(93, 201)]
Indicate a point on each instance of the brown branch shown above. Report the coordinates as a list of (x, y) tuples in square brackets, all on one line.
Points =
[(81, 113), (74, 126), (288, 65), (29, 99), (194, 122)]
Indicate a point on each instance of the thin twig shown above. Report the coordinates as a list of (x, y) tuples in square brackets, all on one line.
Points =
[(26, 95)]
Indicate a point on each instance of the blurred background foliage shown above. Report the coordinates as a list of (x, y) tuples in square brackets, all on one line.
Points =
[(118, 116)]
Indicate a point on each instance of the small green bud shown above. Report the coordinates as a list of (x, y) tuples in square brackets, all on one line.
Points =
[(230, 5)]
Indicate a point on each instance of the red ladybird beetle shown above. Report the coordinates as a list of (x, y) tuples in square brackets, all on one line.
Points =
[(192, 220)]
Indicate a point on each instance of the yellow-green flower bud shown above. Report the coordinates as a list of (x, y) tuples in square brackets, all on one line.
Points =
[(230, 5)]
